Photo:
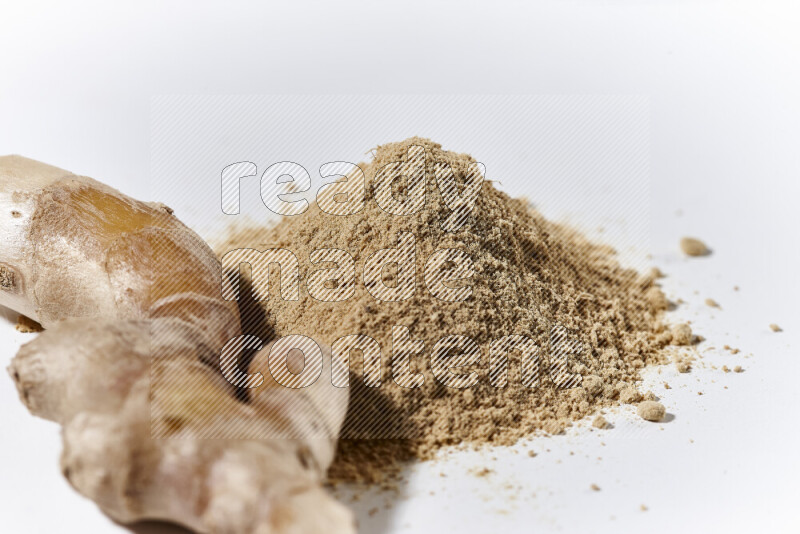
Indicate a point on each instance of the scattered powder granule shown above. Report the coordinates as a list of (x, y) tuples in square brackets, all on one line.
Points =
[(651, 411), (682, 334), (643, 508), (28, 326), (725, 369), (683, 365), (712, 303), (775, 328), (667, 386), (594, 487), (532, 454), (738, 369), (483, 472), (650, 396), (694, 247), (600, 422)]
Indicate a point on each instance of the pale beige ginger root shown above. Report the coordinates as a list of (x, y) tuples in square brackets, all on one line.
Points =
[(135, 323)]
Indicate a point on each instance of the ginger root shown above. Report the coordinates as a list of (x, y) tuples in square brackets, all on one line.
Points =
[(135, 322)]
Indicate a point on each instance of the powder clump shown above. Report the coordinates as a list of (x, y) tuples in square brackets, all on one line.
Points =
[(601, 422), (630, 395), (682, 334), (651, 411), (694, 247)]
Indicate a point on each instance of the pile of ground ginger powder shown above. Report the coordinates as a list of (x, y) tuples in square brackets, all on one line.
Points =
[(530, 278)]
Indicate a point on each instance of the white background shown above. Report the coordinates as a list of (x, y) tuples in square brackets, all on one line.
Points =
[(722, 82)]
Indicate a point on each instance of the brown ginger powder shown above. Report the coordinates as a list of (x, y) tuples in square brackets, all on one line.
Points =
[(530, 275)]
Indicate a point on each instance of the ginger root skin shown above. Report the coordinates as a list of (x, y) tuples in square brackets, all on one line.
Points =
[(93, 377), (130, 299), (73, 247)]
